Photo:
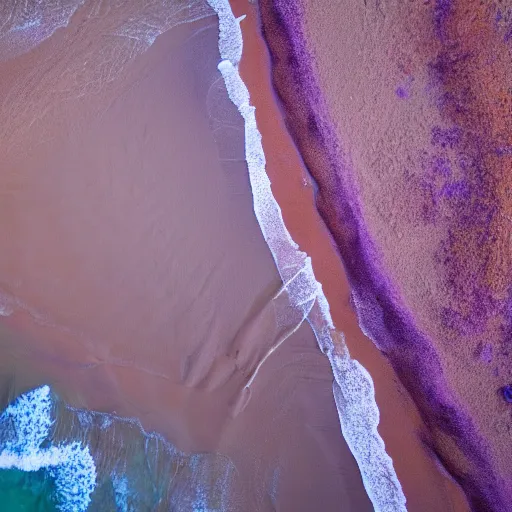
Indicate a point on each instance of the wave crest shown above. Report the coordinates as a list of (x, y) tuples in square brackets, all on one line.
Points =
[(27, 422)]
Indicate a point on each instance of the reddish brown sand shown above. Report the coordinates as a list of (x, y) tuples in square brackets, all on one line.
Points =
[(134, 275), (426, 487), (419, 102)]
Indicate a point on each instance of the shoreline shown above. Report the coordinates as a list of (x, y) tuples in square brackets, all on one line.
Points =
[(353, 387)]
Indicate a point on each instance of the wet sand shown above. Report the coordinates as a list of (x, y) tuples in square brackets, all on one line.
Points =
[(404, 133), (135, 279)]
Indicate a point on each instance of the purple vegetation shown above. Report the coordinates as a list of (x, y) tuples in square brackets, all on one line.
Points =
[(505, 151), (442, 167), (503, 19), (442, 192), (479, 299), (402, 92), (448, 69), (446, 137), (485, 352), (508, 34), (507, 311), (506, 391), (456, 190), (442, 11), (466, 202), (463, 324)]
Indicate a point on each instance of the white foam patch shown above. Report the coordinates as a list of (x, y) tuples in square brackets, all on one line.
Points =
[(121, 493), (201, 503), (71, 465), (353, 386)]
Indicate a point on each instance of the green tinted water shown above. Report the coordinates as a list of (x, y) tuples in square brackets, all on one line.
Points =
[(22, 491)]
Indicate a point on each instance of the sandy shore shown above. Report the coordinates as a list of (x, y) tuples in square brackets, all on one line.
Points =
[(294, 191), (407, 160)]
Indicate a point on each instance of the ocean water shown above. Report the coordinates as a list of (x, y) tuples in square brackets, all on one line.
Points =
[(56, 458), (22, 491)]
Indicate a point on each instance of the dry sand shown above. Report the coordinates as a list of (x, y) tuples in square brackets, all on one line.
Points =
[(425, 486), (407, 144)]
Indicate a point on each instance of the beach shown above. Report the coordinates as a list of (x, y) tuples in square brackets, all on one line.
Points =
[(241, 264)]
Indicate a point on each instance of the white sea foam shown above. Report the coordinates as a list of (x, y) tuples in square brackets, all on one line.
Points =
[(353, 386), (121, 492), (200, 502), (72, 466)]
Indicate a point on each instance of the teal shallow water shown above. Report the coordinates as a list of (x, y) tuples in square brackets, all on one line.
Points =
[(22, 491), (58, 459)]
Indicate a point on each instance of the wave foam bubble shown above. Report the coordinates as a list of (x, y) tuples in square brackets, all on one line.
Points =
[(28, 421)]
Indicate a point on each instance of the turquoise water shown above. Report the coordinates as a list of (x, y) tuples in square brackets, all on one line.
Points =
[(27, 491)]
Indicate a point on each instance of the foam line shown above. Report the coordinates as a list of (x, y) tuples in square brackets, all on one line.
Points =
[(353, 387), (28, 421)]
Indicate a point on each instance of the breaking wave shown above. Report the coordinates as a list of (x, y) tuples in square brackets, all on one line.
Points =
[(97, 461), (27, 423)]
